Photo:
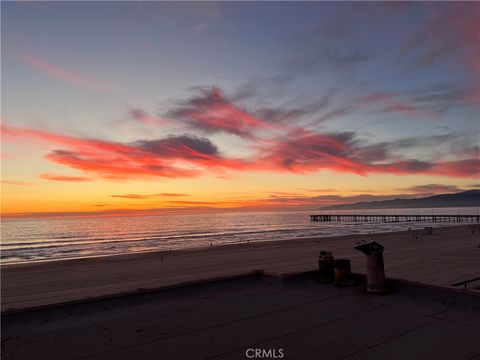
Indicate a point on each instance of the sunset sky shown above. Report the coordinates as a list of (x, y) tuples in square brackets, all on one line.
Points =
[(149, 105)]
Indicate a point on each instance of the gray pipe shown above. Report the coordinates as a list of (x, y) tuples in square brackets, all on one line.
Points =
[(376, 282)]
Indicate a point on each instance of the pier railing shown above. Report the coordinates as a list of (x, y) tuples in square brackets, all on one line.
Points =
[(396, 218)]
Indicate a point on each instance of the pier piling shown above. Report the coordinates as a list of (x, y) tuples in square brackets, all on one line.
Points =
[(396, 218)]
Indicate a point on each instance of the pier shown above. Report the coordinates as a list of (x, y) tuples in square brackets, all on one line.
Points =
[(397, 218)]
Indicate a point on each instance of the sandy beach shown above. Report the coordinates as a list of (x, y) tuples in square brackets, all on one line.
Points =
[(227, 312), (449, 256)]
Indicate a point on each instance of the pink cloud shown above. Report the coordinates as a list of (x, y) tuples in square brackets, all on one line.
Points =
[(304, 152), (449, 31), (299, 151), (210, 111), (67, 178), (146, 118), (460, 168), (174, 156), (63, 74)]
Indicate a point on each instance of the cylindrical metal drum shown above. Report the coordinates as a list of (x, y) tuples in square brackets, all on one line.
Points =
[(326, 263), (343, 272)]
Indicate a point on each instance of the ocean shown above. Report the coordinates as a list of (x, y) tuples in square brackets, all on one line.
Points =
[(26, 240)]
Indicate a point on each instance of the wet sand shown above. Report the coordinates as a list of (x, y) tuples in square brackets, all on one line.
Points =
[(449, 256)]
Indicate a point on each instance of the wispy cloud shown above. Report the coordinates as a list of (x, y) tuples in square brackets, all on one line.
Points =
[(200, 27), (440, 100), (451, 30), (173, 194), (431, 189), (148, 196), (318, 49), (199, 203), (17, 182), (212, 15), (67, 178), (307, 202), (288, 114), (313, 59), (388, 102), (208, 110), (302, 151), (326, 190), (61, 73), (146, 118)]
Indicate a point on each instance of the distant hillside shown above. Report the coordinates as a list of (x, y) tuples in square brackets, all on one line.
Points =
[(469, 198)]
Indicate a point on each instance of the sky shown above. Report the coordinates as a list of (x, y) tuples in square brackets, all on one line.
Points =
[(188, 106)]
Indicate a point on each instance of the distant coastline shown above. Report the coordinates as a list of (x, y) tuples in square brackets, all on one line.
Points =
[(470, 198)]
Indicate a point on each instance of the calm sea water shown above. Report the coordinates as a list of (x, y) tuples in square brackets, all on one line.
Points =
[(70, 237)]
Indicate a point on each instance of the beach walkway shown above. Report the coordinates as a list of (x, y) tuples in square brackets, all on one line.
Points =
[(449, 256), (229, 320)]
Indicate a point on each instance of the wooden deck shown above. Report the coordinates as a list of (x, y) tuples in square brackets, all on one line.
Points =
[(397, 218)]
